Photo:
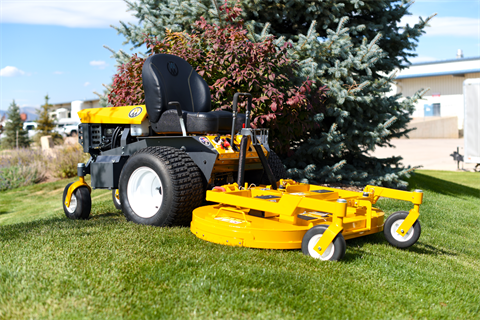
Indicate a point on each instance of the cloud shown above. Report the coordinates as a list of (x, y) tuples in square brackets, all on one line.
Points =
[(86, 84), (100, 64), (10, 71), (58, 72), (68, 13), (447, 26)]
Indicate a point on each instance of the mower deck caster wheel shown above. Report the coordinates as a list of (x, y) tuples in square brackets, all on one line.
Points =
[(116, 201), (391, 226), (80, 203), (334, 252)]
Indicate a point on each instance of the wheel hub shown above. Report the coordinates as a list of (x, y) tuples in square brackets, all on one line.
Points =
[(145, 192), (398, 236)]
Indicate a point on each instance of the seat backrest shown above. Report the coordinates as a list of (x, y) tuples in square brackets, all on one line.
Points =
[(169, 78)]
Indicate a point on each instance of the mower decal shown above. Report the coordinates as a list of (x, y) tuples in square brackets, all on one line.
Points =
[(172, 68), (135, 112), (204, 141)]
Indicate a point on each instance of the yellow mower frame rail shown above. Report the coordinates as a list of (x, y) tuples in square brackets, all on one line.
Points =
[(259, 217)]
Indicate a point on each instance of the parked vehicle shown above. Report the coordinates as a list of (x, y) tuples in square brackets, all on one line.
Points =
[(31, 128), (67, 127)]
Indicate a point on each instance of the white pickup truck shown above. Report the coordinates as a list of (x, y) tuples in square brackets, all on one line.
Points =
[(67, 127)]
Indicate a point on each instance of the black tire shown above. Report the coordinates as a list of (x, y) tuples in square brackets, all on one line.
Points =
[(335, 251), (277, 167), (395, 239), (80, 204), (170, 172), (116, 202)]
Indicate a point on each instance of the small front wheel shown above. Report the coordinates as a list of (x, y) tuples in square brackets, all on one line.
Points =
[(334, 252), (80, 203), (395, 239), (116, 199)]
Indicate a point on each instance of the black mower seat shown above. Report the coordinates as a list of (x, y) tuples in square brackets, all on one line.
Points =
[(167, 78)]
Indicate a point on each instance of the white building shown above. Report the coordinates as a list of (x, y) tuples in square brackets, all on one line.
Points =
[(445, 80), (68, 110)]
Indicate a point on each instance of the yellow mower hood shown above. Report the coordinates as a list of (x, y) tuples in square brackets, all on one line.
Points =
[(114, 115)]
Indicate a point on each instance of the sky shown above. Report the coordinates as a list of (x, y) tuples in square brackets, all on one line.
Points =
[(55, 47)]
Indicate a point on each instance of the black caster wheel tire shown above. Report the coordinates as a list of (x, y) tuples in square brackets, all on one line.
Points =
[(335, 251), (116, 201), (390, 231), (160, 186), (80, 203)]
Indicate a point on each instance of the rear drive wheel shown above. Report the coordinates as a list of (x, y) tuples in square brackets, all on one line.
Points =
[(391, 226), (80, 203), (334, 252), (160, 186), (116, 199)]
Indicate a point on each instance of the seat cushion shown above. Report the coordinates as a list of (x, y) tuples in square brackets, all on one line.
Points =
[(198, 122), (195, 122), (225, 121)]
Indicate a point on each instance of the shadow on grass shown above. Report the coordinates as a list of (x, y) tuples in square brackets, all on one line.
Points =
[(424, 182), (423, 248), (4, 212), (22, 229), (355, 247), (106, 215)]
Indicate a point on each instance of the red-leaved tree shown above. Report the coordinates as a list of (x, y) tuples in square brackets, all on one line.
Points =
[(229, 62)]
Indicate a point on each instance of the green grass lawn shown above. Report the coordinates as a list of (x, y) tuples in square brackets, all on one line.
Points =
[(106, 268)]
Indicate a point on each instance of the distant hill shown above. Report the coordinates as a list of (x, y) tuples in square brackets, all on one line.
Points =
[(30, 111)]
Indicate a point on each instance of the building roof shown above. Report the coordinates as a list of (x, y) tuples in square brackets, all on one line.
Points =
[(441, 68)]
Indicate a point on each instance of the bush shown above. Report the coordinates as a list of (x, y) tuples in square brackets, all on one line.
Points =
[(27, 166), (65, 164), (22, 167), (18, 176), (229, 62)]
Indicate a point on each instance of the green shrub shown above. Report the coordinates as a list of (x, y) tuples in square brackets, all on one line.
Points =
[(18, 176), (27, 166), (65, 164)]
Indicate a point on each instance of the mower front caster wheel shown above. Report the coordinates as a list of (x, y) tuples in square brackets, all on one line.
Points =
[(116, 199), (334, 252), (391, 226), (80, 203)]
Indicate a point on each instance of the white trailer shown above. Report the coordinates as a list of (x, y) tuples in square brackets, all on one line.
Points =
[(471, 96)]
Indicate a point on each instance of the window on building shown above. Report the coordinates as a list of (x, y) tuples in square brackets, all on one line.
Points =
[(436, 110)]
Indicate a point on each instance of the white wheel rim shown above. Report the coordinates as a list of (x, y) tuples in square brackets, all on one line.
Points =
[(145, 192), (399, 237), (73, 204), (327, 255)]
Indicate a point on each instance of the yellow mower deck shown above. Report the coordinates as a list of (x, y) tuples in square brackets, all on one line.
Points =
[(260, 217)]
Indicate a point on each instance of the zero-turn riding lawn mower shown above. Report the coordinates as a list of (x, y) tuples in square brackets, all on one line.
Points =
[(159, 158)]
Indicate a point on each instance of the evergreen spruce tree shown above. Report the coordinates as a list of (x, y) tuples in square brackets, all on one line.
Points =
[(14, 129), (352, 46), (45, 123)]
